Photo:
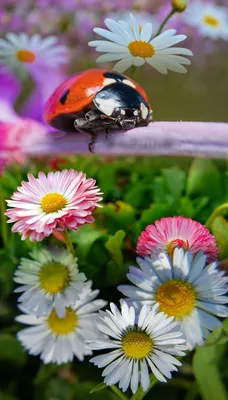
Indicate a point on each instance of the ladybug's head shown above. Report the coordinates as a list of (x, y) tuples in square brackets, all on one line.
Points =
[(123, 104)]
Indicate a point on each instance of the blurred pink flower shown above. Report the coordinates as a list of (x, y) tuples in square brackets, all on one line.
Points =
[(169, 233), (57, 201), (18, 136), (16, 133)]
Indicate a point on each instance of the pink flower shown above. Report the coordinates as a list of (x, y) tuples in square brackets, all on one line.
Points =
[(57, 201), (172, 232), (17, 137)]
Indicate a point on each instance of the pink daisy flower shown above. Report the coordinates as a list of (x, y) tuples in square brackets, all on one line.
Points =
[(57, 201), (172, 232)]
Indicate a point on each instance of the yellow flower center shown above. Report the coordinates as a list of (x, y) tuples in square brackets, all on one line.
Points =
[(137, 345), (52, 202), (63, 326), (180, 243), (212, 21), (139, 48), (25, 56), (54, 277), (176, 298)]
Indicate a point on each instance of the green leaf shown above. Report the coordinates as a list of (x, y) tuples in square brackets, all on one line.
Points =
[(11, 351), (159, 189), (86, 390), (156, 211), (99, 387), (57, 389), (175, 180), (220, 230), (6, 396), (114, 246), (204, 179), (206, 370), (45, 373), (139, 194), (85, 237), (119, 214)]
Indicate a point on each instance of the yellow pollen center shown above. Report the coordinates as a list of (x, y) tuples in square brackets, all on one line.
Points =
[(180, 243), (52, 202), (54, 277), (137, 345), (63, 326), (212, 21), (139, 48), (177, 298), (25, 56)]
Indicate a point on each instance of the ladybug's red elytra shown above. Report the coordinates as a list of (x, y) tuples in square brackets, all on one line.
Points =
[(96, 100)]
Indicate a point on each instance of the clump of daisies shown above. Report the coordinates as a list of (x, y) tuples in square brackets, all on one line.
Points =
[(134, 43), (178, 269), (57, 302), (176, 298)]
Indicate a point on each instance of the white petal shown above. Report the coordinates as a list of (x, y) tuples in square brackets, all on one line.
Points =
[(145, 378), (135, 377), (123, 65)]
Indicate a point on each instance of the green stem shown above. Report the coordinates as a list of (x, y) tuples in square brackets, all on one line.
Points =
[(68, 242), (3, 222), (215, 214), (140, 394), (132, 71), (118, 392), (165, 21)]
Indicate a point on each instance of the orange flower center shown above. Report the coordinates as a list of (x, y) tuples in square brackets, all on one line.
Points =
[(25, 56), (139, 48), (180, 243)]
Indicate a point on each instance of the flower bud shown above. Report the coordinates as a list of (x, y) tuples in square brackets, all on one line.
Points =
[(179, 5)]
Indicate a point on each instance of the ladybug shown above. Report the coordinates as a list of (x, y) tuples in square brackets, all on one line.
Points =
[(96, 100)]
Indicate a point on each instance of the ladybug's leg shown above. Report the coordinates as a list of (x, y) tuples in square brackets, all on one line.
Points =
[(107, 133), (92, 142), (92, 115)]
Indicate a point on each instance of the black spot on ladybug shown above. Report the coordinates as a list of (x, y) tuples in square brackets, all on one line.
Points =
[(113, 75), (63, 98)]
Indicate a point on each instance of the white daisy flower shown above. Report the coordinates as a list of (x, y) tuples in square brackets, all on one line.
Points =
[(22, 53), (49, 282), (210, 19), (132, 44), (140, 344), (185, 288), (58, 340)]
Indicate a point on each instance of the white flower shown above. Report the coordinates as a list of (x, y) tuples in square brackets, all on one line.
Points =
[(210, 19), (22, 53), (132, 44), (139, 344), (58, 340), (185, 288), (49, 282)]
